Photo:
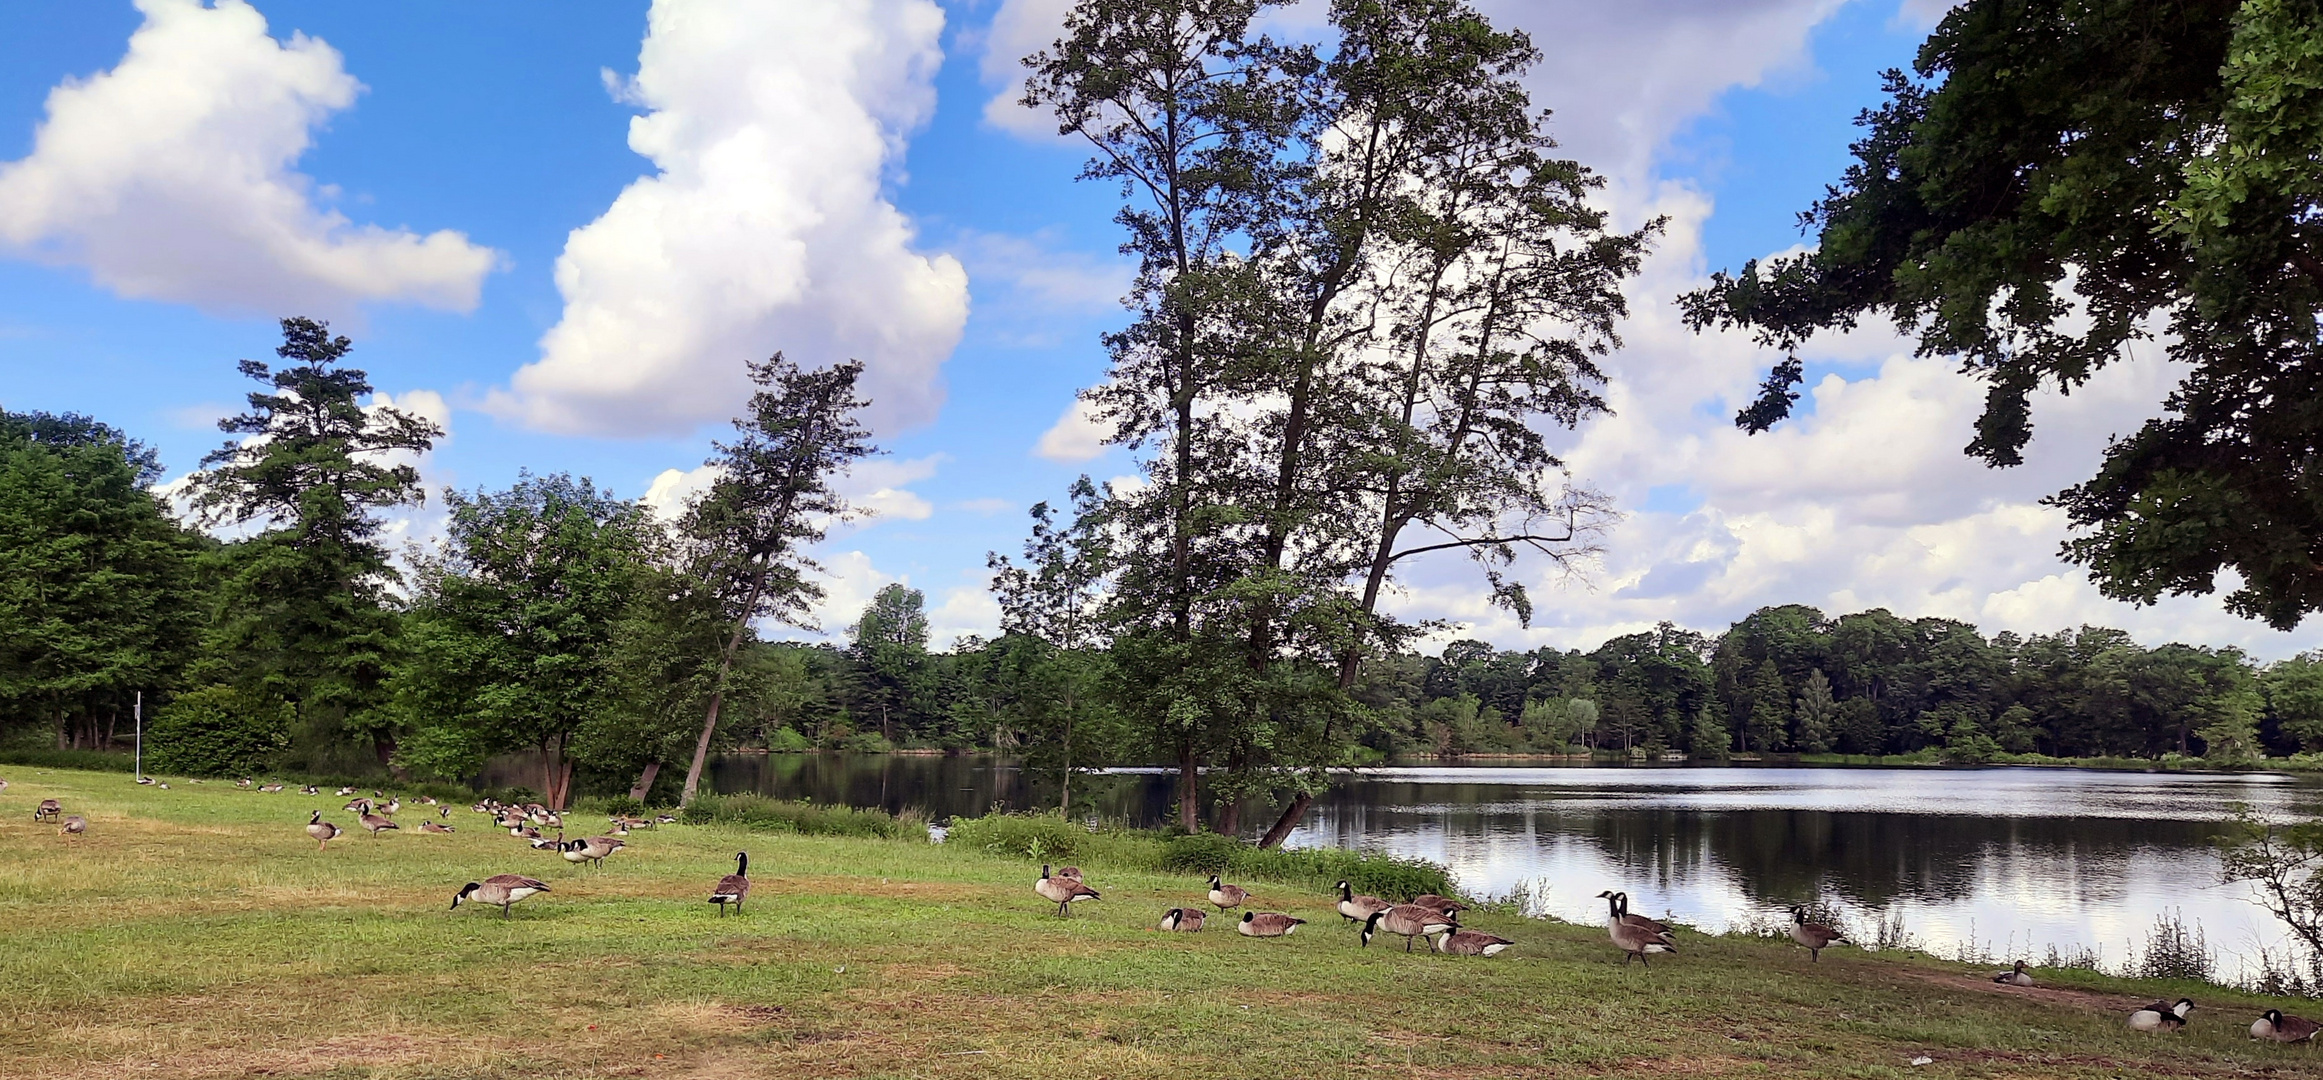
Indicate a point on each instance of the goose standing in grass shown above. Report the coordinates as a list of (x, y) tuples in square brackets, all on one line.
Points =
[(323, 831), (593, 850), (1409, 920), (1227, 896), (1441, 905), (2160, 1017), (1062, 891), (376, 824), (1636, 940), (392, 806), (74, 825), (733, 888), (1815, 936), (1267, 924), (500, 889), (1355, 908), (1188, 920), (2284, 1029), (2014, 977), (1471, 943), (436, 827), (47, 810)]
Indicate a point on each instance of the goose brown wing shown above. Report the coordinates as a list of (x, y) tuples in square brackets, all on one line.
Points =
[(516, 881)]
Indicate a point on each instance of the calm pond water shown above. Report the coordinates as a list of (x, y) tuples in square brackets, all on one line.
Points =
[(2009, 860)]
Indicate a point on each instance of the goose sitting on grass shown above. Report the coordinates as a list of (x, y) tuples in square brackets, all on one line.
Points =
[(1267, 924), (2284, 1029), (2160, 1017), (1471, 943), (1185, 920), (2014, 977)]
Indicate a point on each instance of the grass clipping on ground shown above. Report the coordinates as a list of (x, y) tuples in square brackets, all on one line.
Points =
[(198, 932)]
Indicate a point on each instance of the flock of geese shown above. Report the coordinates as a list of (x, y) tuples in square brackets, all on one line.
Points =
[(1429, 917)]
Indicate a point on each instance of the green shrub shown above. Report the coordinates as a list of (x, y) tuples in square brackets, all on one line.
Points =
[(868, 742), (51, 758), (788, 740), (621, 805), (1032, 837), (216, 731), (776, 815), (1038, 838)]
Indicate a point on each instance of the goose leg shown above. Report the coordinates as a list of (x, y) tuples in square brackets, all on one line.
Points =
[(1407, 943)]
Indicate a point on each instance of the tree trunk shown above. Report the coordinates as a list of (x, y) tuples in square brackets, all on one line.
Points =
[(1065, 803), (1188, 789), (718, 695), (1289, 820), (644, 785), (1230, 817)]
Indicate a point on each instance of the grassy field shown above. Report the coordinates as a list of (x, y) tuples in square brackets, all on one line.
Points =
[(197, 932)]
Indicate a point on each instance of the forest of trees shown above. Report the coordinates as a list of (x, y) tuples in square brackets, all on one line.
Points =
[(1369, 298)]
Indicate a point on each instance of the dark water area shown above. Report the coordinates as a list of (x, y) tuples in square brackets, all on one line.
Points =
[(2006, 860)]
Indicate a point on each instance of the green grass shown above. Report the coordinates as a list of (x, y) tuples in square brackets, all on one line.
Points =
[(197, 932)]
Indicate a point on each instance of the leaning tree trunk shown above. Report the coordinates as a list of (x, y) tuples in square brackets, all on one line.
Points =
[(645, 779), (718, 695)]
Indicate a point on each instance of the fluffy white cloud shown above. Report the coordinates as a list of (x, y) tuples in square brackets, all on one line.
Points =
[(170, 177), (1076, 436), (876, 487), (772, 127)]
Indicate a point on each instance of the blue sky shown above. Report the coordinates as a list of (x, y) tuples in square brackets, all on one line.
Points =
[(837, 177)]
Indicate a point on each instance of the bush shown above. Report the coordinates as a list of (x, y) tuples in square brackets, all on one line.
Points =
[(868, 742), (805, 818), (788, 740), (1032, 837), (1051, 839), (216, 731), (92, 760), (622, 805)]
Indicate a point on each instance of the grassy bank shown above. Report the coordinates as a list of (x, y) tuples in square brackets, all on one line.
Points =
[(197, 932)]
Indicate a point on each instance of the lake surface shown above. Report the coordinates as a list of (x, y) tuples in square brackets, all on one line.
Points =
[(2003, 860)]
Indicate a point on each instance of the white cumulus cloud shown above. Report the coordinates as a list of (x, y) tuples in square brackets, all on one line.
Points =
[(171, 177), (772, 128), (1078, 435)]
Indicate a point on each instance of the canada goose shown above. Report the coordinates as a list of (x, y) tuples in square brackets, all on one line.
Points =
[(242, 783), (1471, 943), (2284, 1029), (1062, 891), (1409, 920), (1227, 896), (733, 888), (427, 800), (1355, 908), (2160, 1017), (323, 831), (162, 786), (271, 788), (1186, 919), (629, 822), (542, 843), (1073, 872), (310, 789), (1267, 924), (142, 780), (47, 810), (1634, 940), (346, 791), (359, 805), (501, 889), (1815, 936), (2014, 977), (1622, 912), (392, 806), (443, 813), (665, 819), (74, 825), (3, 785), (1441, 905), (376, 824), (593, 849), (435, 827)]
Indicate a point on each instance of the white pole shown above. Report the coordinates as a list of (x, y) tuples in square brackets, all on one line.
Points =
[(139, 710)]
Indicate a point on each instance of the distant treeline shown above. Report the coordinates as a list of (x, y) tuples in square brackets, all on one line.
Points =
[(554, 617)]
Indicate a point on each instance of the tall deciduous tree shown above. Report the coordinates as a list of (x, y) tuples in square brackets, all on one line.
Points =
[(890, 648), (302, 611), (772, 498), (513, 634), (99, 591), (1055, 597), (2055, 180)]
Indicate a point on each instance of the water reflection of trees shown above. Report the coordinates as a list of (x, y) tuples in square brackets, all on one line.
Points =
[(1772, 855), (1779, 855)]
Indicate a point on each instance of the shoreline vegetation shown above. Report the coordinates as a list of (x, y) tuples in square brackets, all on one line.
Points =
[(880, 954)]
